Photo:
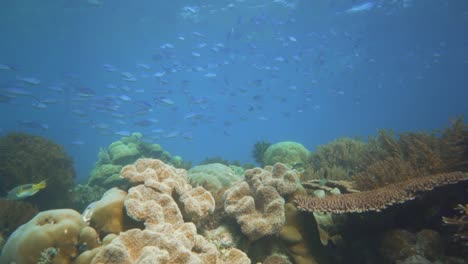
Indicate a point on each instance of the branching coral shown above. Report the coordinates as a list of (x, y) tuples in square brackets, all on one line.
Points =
[(412, 155), (380, 198)]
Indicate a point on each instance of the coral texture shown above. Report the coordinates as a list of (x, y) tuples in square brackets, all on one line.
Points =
[(162, 199), (212, 176), (161, 183), (380, 198), (56, 229), (257, 203)]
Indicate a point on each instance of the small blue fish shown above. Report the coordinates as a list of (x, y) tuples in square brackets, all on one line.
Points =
[(360, 8)]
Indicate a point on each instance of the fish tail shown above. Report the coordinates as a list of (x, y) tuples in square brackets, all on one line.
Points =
[(40, 185)]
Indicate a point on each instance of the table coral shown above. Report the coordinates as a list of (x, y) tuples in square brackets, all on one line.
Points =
[(56, 229), (380, 198), (257, 203)]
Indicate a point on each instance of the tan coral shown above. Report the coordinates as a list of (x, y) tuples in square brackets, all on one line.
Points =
[(107, 215), (159, 179), (55, 231), (167, 238), (183, 245), (257, 203), (198, 203), (380, 198), (152, 207)]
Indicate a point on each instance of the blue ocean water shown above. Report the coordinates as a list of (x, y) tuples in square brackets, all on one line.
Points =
[(210, 78)]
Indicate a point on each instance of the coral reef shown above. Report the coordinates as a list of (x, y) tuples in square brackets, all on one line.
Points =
[(106, 172), (287, 152), (257, 203), (258, 151), (163, 199), (378, 199), (30, 159), (54, 231)]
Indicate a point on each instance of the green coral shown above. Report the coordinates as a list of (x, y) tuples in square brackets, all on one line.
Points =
[(213, 177), (290, 153), (106, 171), (30, 159), (123, 153), (100, 174)]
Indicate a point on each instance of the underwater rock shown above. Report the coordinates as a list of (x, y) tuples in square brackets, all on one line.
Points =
[(402, 246), (213, 176), (290, 153), (277, 259), (56, 229)]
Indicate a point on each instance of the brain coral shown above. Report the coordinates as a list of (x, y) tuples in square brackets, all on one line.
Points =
[(286, 152), (257, 203), (30, 159), (59, 231)]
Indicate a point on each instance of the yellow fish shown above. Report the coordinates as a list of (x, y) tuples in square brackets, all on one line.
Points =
[(25, 190)]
